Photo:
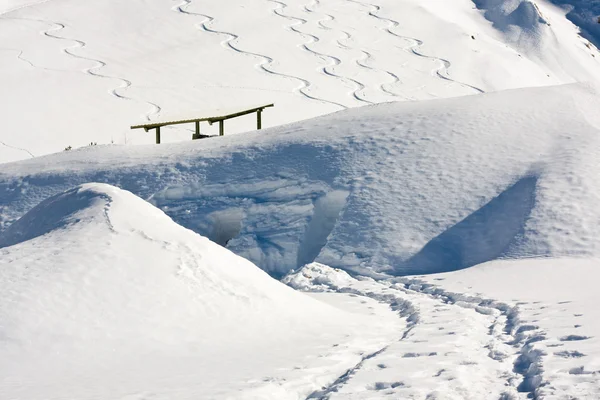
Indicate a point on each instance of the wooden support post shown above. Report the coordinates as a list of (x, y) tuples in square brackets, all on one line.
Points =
[(197, 134), (158, 135), (221, 127), (258, 119)]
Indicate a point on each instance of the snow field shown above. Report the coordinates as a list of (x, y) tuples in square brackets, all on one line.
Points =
[(394, 149), (98, 283), (399, 188), (71, 78)]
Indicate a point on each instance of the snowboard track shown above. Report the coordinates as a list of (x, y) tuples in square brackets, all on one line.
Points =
[(357, 93), (310, 8), (79, 44), (442, 72), (266, 61)]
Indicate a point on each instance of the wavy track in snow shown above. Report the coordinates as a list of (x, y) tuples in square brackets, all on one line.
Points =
[(334, 61), (361, 63), (265, 62), (442, 72), (78, 44)]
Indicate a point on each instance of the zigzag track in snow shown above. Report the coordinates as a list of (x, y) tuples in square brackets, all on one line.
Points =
[(396, 80), (334, 61), (442, 72), (93, 71), (265, 60), (79, 44), (361, 63)]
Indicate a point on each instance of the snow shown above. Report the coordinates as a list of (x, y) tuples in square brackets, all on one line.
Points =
[(98, 283), (425, 189), (504, 329), (70, 78), (401, 188)]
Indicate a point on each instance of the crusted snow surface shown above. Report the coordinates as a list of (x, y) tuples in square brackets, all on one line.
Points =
[(501, 330), (104, 296), (403, 188)]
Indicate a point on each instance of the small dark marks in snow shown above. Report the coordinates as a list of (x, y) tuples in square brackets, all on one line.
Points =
[(385, 385), (578, 371), (569, 354), (573, 338)]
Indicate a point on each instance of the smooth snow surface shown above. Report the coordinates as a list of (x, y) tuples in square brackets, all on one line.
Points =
[(74, 73), (103, 296), (399, 188)]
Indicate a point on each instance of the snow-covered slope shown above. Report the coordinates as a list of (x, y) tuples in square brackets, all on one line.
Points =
[(70, 78), (401, 187), (103, 296)]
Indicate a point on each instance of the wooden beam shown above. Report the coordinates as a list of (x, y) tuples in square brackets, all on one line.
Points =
[(197, 134), (152, 125), (158, 135), (258, 119)]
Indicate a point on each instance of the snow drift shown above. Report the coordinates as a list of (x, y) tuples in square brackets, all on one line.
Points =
[(98, 283), (400, 187)]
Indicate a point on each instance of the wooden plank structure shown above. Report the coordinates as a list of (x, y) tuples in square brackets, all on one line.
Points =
[(219, 116)]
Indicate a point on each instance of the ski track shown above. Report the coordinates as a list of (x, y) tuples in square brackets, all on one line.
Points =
[(361, 63), (266, 61), (334, 61), (125, 84), (78, 44), (441, 72)]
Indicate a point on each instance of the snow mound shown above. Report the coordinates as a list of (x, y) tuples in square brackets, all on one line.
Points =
[(317, 277), (401, 188), (541, 32), (97, 282)]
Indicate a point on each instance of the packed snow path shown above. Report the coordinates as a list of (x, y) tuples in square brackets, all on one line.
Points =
[(468, 346)]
